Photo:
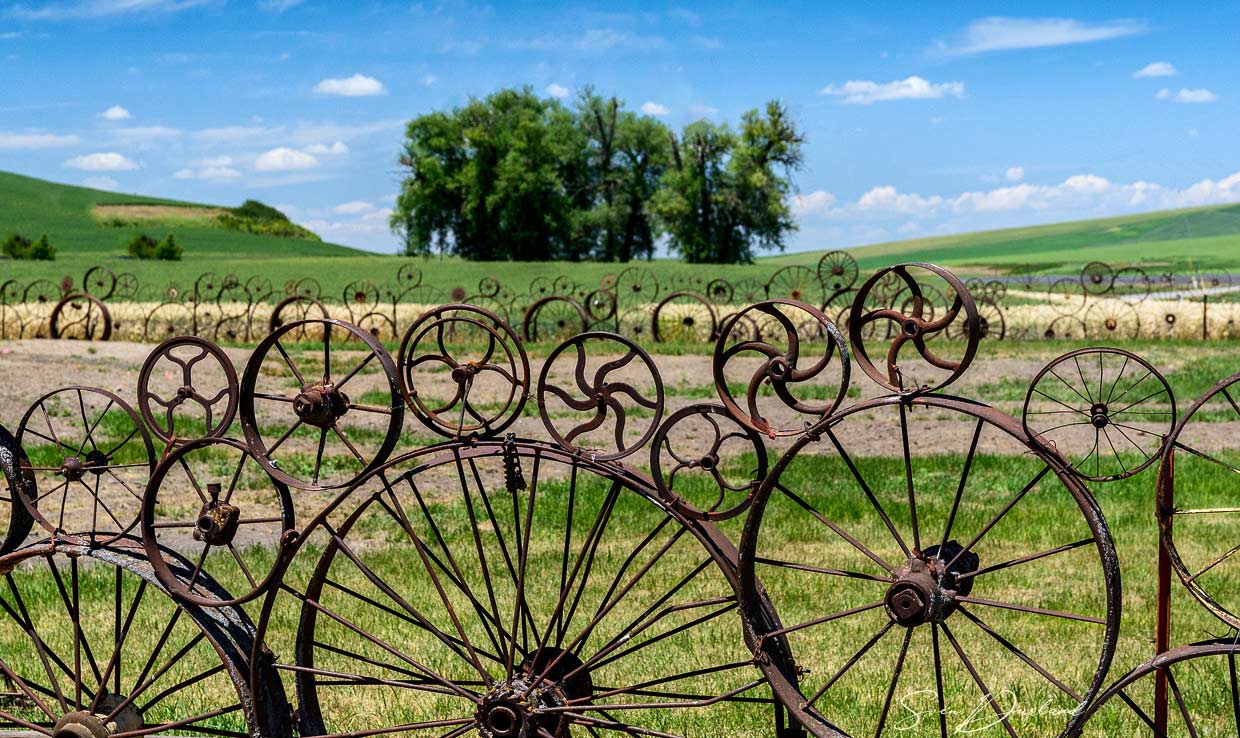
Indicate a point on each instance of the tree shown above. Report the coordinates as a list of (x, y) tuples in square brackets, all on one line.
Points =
[(17, 246), (142, 246), (42, 249), (168, 249), (726, 193)]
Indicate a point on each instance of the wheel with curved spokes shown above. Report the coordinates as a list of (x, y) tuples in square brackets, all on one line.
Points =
[(1202, 696), (683, 316), (106, 653), (699, 460), (916, 582), (187, 382), (531, 593), (1105, 411), (80, 316), (15, 520), (1198, 519), (323, 414), (89, 456)]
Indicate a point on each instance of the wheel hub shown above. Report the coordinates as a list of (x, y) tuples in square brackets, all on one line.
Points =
[(321, 405), (217, 523), (72, 469), (87, 724), (926, 586), (1098, 415), (911, 327)]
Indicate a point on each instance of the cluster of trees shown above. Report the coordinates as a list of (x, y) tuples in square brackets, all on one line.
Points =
[(143, 246), (20, 247), (515, 176), (255, 217)]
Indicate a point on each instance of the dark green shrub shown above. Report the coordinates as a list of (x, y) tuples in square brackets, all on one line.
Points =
[(255, 210), (142, 246), (42, 250), (17, 247), (168, 249)]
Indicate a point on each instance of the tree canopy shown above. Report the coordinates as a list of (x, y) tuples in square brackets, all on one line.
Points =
[(518, 177)]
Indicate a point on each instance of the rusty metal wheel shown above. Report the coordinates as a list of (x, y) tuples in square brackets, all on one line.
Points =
[(795, 283), (488, 287), (534, 592), (105, 653), (837, 270), (600, 306), (1098, 407), (636, 286), (1066, 297), (487, 371), (15, 520), (1065, 327), (213, 503), (167, 320), (80, 316), (297, 309), (991, 325), (719, 292), (1097, 278), (380, 325), (582, 383), (89, 455), (1202, 696), (683, 316), (1198, 518), (187, 381), (554, 318), (801, 379), (916, 321), (409, 277), (1113, 320), (1133, 283), (703, 470), (99, 281), (303, 400), (935, 596)]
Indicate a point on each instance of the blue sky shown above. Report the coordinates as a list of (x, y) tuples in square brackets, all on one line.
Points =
[(922, 118)]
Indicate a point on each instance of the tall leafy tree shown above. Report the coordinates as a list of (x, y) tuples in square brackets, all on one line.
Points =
[(726, 193)]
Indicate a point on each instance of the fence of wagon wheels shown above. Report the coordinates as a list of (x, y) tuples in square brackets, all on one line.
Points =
[(269, 550)]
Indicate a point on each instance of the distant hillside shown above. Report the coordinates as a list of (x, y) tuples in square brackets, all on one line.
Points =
[(86, 223), (1206, 238)]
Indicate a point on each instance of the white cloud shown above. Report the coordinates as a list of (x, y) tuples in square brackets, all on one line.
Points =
[(559, 91), (337, 149), (1185, 95), (653, 108), (19, 141), (101, 183), (865, 92), (1155, 69), (104, 161), (815, 202), (284, 159), (1014, 174), (428, 80), (702, 111), (356, 207), (102, 8), (214, 169), (359, 85), (115, 112), (1000, 34)]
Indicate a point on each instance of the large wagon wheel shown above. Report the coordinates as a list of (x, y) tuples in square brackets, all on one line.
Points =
[(931, 575), (795, 283), (90, 456), (1112, 320), (319, 395), (1097, 278), (1065, 296), (1203, 696), (1105, 411), (80, 316), (554, 318), (635, 286), (683, 316), (95, 649), (15, 520), (527, 591), (837, 270), (99, 281), (1134, 283), (1198, 520)]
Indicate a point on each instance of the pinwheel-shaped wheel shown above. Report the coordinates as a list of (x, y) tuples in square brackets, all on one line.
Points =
[(80, 316), (187, 380), (306, 413), (914, 322), (771, 405), (698, 462), (90, 456), (599, 389), (487, 369), (1104, 410), (15, 520), (837, 270)]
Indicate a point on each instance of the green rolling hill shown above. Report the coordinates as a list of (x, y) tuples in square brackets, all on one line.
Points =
[(1205, 238)]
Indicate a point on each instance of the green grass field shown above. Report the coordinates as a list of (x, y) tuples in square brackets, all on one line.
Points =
[(1206, 239)]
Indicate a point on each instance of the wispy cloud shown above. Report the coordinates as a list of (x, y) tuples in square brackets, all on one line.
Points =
[(116, 112), (653, 108), (104, 161), (867, 92), (1001, 34), (284, 159), (591, 41), (1155, 69), (1185, 95), (37, 140), (101, 9)]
